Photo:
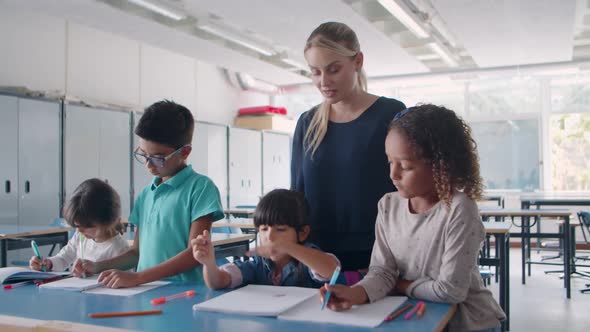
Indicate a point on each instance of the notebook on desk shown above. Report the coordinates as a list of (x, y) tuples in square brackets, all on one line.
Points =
[(92, 286), (298, 304), (11, 275)]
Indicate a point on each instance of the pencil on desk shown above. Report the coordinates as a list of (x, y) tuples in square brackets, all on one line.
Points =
[(124, 313), (398, 312), (421, 310)]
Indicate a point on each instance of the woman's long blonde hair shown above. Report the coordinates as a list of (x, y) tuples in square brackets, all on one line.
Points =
[(341, 39)]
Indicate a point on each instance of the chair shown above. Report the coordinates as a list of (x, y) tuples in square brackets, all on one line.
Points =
[(584, 219)]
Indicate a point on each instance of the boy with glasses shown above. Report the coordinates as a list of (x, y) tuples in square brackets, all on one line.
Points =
[(175, 208)]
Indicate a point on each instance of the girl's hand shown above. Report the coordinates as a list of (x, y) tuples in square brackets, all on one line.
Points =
[(343, 297), (118, 279), (83, 268), (35, 264), (401, 285), (203, 251)]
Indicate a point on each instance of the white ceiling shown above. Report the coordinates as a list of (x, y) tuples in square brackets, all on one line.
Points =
[(484, 33)]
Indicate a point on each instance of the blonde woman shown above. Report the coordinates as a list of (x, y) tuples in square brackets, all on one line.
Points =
[(339, 160)]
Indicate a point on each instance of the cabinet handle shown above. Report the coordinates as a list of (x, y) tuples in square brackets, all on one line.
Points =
[(242, 183), (249, 183), (274, 159), (7, 186), (27, 186)]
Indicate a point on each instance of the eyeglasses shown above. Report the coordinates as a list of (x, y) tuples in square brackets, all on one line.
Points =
[(156, 161)]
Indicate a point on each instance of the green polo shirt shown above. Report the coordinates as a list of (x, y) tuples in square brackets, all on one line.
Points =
[(164, 214)]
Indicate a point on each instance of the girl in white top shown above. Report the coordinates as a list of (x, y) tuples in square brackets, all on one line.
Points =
[(94, 210), (429, 233)]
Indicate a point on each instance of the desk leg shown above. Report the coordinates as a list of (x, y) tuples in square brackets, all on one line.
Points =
[(4, 249), (507, 269), (502, 255), (524, 226), (567, 257)]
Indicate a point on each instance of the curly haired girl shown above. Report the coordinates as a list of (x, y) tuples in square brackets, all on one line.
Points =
[(428, 234)]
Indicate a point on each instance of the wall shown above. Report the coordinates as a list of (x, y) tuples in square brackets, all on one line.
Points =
[(45, 53)]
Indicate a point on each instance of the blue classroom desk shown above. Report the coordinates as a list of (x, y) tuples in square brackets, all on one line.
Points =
[(31, 302)]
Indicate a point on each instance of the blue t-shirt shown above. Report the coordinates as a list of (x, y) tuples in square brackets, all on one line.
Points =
[(344, 180), (164, 214), (258, 271)]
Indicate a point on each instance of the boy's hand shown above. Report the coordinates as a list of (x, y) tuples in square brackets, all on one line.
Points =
[(269, 249), (118, 279), (35, 263), (343, 297), (83, 268), (203, 251)]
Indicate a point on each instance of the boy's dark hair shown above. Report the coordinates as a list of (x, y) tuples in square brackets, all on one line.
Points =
[(94, 203), (282, 207), (166, 122), (444, 140)]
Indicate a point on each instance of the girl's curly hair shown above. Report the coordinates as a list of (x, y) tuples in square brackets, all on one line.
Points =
[(444, 140)]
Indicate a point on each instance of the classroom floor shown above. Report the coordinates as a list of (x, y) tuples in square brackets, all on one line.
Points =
[(541, 305)]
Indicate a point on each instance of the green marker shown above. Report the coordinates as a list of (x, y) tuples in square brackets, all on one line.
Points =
[(38, 254)]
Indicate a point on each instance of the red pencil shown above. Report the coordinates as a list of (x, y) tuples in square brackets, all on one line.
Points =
[(128, 313)]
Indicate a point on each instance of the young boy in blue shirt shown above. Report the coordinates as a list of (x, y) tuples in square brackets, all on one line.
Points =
[(175, 208)]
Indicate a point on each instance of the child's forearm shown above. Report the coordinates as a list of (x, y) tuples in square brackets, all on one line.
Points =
[(318, 261), (125, 261), (215, 278)]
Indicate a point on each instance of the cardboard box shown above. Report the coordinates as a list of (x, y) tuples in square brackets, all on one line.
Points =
[(266, 122)]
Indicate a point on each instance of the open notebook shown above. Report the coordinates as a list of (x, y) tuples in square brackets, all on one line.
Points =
[(299, 304), (91, 286), (10, 275)]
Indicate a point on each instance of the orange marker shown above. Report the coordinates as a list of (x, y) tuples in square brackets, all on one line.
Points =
[(413, 311), (421, 310), (164, 299), (122, 314)]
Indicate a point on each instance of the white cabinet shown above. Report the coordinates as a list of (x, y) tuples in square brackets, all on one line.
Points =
[(141, 176), (209, 155), (30, 171), (276, 161), (245, 167), (97, 145)]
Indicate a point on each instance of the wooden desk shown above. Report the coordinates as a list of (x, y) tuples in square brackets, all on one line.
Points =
[(525, 236), (14, 237), (501, 232), (31, 302), (240, 213)]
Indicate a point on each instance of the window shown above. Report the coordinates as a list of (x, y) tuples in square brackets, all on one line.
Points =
[(570, 151), (509, 153)]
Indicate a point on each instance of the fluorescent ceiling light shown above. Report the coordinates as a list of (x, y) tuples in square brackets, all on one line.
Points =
[(295, 64), (158, 9), (235, 39), (405, 16), (444, 54)]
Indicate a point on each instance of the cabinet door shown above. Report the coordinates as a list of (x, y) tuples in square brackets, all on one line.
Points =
[(254, 169), (39, 161), (217, 159), (81, 146), (244, 167), (209, 155), (276, 156), (9, 165), (115, 155), (141, 176)]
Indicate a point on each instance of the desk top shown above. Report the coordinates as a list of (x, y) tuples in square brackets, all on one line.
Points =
[(497, 227), (238, 222), (31, 302), (223, 238), (15, 231), (555, 200), (524, 213)]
